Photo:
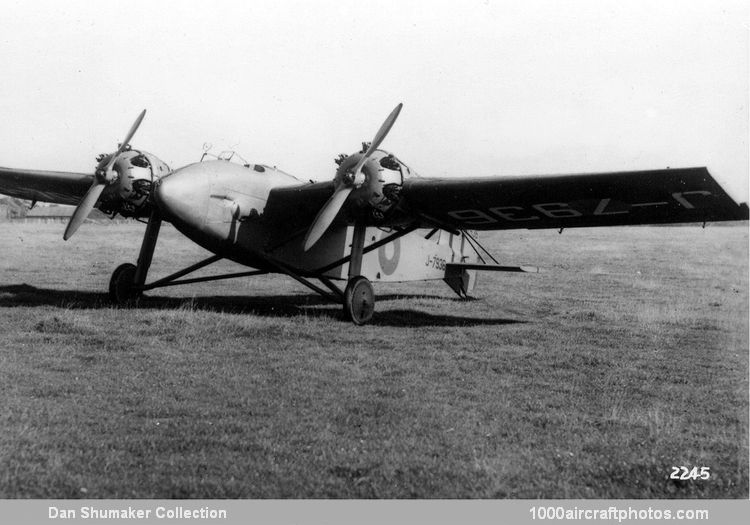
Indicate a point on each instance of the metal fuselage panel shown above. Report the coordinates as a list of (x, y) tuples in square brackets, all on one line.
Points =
[(219, 205)]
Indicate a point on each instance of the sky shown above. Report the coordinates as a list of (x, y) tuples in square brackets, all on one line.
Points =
[(489, 87)]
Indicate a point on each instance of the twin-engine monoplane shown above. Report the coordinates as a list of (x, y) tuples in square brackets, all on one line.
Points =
[(376, 221)]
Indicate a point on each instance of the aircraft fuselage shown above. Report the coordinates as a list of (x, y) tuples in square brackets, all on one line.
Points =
[(217, 204)]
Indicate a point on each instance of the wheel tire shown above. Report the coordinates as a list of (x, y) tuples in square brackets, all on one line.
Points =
[(359, 301), (121, 286)]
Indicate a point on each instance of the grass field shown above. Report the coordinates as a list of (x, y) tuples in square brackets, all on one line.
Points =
[(627, 355)]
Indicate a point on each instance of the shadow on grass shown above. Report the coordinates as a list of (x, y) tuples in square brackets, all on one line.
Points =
[(289, 305), (419, 318)]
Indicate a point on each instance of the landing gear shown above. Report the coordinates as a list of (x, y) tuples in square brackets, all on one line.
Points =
[(122, 288), (126, 284), (359, 300), (359, 297)]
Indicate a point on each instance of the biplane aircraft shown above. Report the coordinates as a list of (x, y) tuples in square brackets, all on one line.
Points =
[(376, 221)]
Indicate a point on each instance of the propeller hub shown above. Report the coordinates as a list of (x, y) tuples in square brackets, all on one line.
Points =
[(106, 176), (353, 171)]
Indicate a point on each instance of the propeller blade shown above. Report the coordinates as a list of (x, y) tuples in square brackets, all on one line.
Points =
[(379, 137), (326, 215), (125, 142), (84, 208), (101, 179), (331, 208), (384, 129)]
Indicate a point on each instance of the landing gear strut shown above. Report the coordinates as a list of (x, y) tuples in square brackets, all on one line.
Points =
[(128, 281), (126, 284), (359, 297)]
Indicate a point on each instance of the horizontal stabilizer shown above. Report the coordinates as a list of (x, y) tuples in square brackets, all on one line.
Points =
[(492, 267), (461, 277)]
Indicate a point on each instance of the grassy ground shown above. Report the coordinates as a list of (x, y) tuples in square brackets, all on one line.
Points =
[(626, 356)]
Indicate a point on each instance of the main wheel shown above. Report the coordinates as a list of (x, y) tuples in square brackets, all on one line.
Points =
[(122, 285), (359, 300)]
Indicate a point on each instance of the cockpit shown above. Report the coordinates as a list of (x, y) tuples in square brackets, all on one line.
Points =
[(235, 158)]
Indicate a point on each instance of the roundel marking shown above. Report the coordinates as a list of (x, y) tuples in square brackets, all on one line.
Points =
[(389, 264)]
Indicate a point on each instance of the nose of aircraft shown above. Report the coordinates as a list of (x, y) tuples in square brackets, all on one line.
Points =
[(182, 196)]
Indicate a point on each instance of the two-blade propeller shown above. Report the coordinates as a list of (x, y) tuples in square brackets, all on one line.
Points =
[(103, 176), (346, 184)]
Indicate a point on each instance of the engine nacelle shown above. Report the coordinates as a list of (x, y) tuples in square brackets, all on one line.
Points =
[(129, 194), (379, 194)]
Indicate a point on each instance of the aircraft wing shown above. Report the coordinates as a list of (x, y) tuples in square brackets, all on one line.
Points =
[(569, 201), (46, 186)]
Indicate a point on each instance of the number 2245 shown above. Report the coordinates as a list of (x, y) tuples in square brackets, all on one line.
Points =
[(694, 473)]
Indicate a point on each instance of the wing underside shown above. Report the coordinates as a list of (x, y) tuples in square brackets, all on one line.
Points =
[(45, 186), (568, 201)]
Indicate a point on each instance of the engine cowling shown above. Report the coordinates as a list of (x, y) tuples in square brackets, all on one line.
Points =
[(379, 192), (128, 195)]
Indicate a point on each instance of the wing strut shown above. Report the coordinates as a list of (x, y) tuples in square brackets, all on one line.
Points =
[(476, 244)]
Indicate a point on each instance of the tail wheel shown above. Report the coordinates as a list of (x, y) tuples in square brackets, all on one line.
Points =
[(122, 288), (359, 300)]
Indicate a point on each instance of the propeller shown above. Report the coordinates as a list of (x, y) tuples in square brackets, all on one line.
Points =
[(346, 184), (103, 176)]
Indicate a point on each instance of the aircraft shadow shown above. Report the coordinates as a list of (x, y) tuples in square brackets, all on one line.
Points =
[(288, 305), (407, 318)]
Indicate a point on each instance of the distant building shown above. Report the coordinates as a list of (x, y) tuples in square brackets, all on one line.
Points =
[(55, 213), (17, 210), (11, 208)]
